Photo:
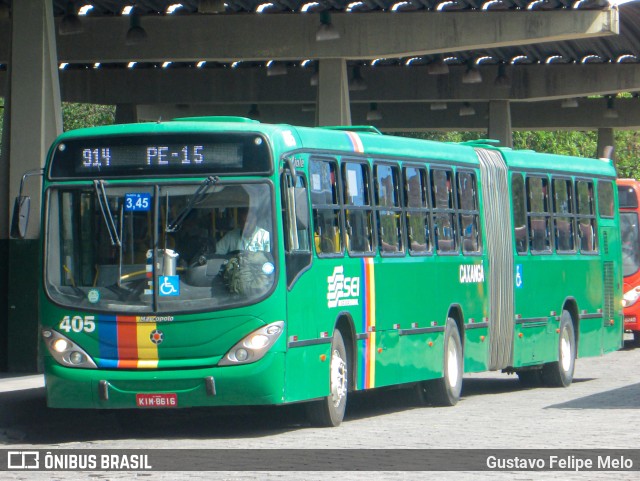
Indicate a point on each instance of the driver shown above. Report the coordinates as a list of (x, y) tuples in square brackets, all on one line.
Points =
[(246, 237), (193, 240)]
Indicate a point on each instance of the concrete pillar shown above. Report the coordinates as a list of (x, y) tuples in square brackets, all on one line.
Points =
[(333, 93), (31, 128), (126, 114), (500, 122), (5, 202), (606, 139)]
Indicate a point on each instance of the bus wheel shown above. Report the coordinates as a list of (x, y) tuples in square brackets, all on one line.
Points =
[(329, 412), (636, 338), (446, 390), (560, 373)]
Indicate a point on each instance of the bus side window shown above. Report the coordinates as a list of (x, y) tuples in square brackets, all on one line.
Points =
[(519, 201), (586, 217), (468, 212), (605, 199), (417, 215), (388, 209), (358, 214), (295, 214), (327, 215), (563, 215), (444, 225), (538, 212)]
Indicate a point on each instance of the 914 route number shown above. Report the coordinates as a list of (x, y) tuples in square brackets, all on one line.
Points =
[(78, 324)]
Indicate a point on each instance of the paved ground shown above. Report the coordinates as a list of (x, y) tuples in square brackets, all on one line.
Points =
[(597, 412)]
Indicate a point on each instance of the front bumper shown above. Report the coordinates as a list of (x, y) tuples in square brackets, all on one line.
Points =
[(261, 382), (631, 322)]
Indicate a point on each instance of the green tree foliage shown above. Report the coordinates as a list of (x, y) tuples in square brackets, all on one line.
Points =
[(628, 153), (76, 116)]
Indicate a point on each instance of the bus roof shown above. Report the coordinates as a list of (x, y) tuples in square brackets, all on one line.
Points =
[(358, 140)]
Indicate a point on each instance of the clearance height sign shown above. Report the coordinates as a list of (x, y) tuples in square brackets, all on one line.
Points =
[(512, 460)]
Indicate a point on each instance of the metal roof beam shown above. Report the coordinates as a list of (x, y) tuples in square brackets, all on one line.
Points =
[(384, 84), (589, 115), (292, 37)]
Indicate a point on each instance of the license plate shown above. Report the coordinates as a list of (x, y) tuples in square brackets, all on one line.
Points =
[(157, 400)]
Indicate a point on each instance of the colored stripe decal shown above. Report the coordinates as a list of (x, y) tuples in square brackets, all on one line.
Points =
[(356, 142), (125, 343), (147, 350), (369, 324), (108, 339)]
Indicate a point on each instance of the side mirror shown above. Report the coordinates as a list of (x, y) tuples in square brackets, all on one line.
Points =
[(20, 219), (21, 207)]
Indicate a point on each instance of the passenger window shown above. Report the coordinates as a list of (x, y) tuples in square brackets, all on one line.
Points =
[(326, 209), (358, 214), (519, 213), (468, 213), (563, 215), (605, 198), (444, 224), (417, 216), (538, 213), (587, 227), (388, 210), (295, 213)]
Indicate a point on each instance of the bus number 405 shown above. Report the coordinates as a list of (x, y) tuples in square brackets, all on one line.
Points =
[(78, 324)]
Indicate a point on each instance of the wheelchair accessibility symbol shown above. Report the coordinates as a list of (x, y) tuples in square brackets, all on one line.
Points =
[(518, 276), (169, 285)]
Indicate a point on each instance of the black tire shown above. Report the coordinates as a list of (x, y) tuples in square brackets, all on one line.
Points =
[(560, 372), (530, 378), (636, 338), (446, 390), (329, 411)]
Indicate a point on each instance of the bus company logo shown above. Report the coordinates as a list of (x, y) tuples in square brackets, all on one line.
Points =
[(342, 291), (155, 319), (156, 336), (471, 273)]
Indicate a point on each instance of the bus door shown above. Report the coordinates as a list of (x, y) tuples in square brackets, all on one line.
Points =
[(499, 248), (305, 371)]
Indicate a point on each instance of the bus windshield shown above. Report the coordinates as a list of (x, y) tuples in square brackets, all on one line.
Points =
[(153, 248), (629, 233)]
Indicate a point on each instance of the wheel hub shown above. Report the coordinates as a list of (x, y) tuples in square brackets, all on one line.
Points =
[(338, 378)]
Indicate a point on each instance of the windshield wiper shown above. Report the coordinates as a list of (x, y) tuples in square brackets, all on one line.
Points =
[(103, 201), (197, 197)]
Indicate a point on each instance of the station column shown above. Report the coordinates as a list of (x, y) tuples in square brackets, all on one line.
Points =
[(500, 122), (333, 93), (28, 133)]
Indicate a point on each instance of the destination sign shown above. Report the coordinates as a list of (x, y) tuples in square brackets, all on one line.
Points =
[(116, 156), (184, 155)]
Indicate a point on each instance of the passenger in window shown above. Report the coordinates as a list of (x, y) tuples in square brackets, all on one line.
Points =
[(248, 236)]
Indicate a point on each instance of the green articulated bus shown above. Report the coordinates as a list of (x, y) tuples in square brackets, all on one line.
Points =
[(221, 261)]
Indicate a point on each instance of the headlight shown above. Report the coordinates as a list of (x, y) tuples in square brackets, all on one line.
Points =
[(65, 351), (631, 297), (254, 346)]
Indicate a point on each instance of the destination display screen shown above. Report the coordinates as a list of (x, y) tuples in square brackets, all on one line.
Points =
[(161, 155)]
